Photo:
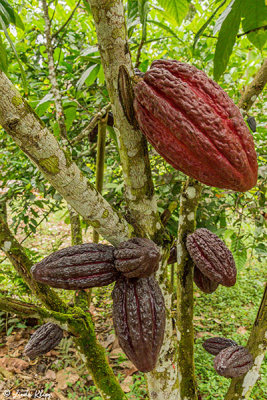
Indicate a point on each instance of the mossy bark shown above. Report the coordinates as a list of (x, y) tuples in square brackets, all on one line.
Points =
[(80, 325), (114, 49), (190, 197), (17, 256), (28, 131), (240, 388)]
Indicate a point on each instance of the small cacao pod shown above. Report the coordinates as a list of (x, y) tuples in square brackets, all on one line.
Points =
[(203, 282), (173, 255), (212, 257), (195, 126), (77, 267), (137, 258), (233, 361), (43, 340), (252, 123), (139, 319), (216, 344)]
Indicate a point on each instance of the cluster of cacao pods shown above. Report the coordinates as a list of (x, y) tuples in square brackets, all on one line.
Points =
[(138, 304), (231, 360), (194, 125), (214, 262)]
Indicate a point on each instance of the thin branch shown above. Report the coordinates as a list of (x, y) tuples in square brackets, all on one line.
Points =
[(137, 63), (254, 89), (100, 162), (264, 27), (240, 388), (67, 21), (190, 197), (52, 74), (92, 124), (29, 132)]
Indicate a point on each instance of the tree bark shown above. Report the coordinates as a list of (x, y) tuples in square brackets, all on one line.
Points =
[(240, 388), (190, 197), (114, 49), (28, 131), (254, 89)]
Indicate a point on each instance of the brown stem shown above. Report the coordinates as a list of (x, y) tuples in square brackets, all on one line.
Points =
[(67, 21), (254, 89)]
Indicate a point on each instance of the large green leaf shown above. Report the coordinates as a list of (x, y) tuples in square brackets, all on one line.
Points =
[(206, 24), (9, 15), (175, 10), (255, 16), (227, 38), (3, 56)]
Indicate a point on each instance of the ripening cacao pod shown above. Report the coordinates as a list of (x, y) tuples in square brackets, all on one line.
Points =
[(77, 267), (216, 344), (233, 361), (203, 282), (212, 257), (137, 258), (43, 340), (139, 319), (173, 255), (195, 126)]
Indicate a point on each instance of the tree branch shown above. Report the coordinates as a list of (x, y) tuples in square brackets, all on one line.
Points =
[(241, 388), (67, 21), (114, 49), (28, 131), (94, 121), (80, 325), (254, 89), (190, 197), (17, 256)]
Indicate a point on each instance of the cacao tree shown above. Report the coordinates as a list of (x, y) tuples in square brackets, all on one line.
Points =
[(51, 149)]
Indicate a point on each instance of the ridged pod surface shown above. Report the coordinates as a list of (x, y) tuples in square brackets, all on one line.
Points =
[(77, 267), (233, 361), (139, 320), (43, 340), (195, 126), (137, 258), (212, 257), (203, 282), (216, 344)]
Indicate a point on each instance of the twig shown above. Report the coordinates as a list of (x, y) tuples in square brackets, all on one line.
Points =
[(92, 124), (264, 27), (67, 21), (139, 53)]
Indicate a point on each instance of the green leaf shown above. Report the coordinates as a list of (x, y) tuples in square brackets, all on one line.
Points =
[(206, 24), (89, 75), (226, 39), (143, 10), (175, 10), (3, 56), (254, 15)]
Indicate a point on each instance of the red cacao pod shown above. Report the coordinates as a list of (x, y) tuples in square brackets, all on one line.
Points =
[(203, 282), (139, 319), (195, 126), (77, 267), (233, 361), (137, 258), (43, 340), (212, 257), (215, 345)]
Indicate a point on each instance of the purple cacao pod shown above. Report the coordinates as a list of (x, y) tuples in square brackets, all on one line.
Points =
[(43, 340), (212, 257), (203, 282), (77, 267), (139, 319), (137, 258), (216, 344), (233, 361)]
